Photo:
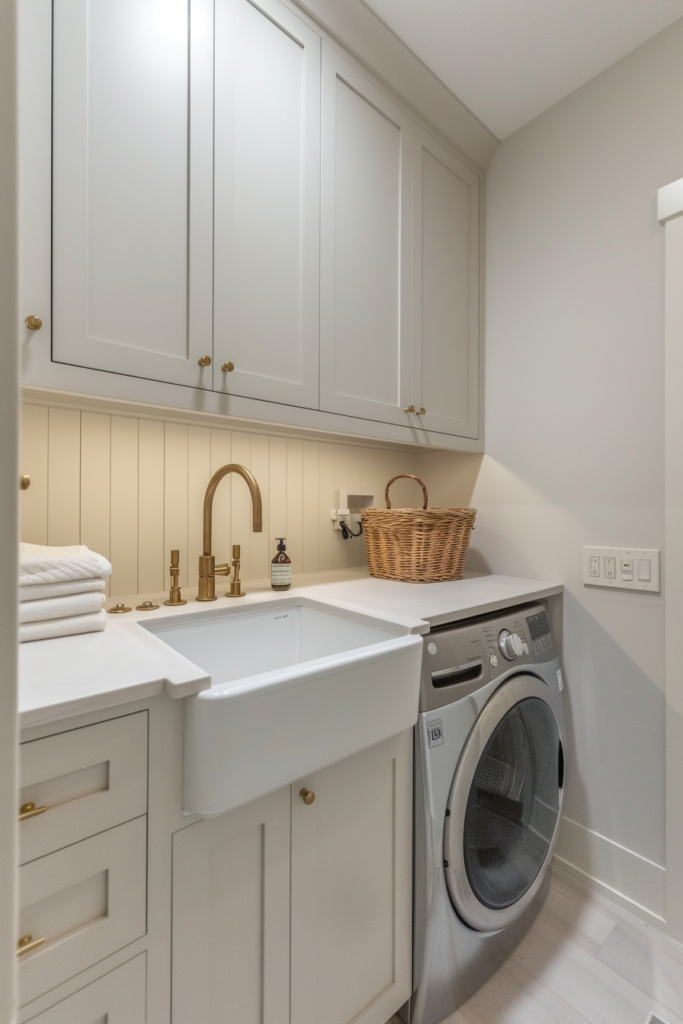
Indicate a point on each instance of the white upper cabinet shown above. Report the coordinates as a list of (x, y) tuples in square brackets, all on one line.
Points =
[(132, 186), (238, 208), (267, 203), (445, 365), (365, 242)]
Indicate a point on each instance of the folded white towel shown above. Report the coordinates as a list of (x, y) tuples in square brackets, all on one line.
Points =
[(60, 607), (40, 591), (41, 564), (52, 628)]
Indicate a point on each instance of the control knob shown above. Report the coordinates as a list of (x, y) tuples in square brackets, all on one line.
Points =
[(511, 645)]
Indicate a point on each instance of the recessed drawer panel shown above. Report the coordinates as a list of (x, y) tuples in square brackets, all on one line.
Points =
[(88, 780), (117, 998), (83, 902)]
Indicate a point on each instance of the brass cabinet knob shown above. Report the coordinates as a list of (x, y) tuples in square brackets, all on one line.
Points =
[(410, 408), (24, 482), (307, 796), (421, 411), (228, 367), (30, 811), (34, 323), (26, 943), (204, 361)]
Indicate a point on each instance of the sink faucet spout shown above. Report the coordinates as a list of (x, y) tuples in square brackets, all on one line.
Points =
[(207, 562)]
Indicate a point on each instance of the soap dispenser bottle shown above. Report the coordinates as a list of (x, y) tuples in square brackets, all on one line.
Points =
[(281, 568)]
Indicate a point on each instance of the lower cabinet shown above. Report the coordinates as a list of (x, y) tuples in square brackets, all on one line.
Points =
[(117, 998), (231, 916), (297, 907)]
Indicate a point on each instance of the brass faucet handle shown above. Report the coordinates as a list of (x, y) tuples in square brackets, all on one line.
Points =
[(223, 569), (235, 582), (175, 597)]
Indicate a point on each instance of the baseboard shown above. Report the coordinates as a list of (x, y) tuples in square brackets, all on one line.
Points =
[(622, 876)]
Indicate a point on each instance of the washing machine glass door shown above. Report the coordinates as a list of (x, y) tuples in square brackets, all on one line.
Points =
[(505, 806)]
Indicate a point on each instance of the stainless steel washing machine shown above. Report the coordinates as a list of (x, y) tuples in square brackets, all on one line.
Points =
[(489, 755)]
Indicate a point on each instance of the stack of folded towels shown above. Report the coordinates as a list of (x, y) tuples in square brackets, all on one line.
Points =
[(61, 591)]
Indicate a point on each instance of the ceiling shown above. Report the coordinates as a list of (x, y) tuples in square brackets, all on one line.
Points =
[(509, 60)]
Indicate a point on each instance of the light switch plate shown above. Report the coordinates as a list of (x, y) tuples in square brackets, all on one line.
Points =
[(622, 568)]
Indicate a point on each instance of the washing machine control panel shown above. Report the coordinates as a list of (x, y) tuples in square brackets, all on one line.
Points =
[(461, 657), (511, 644)]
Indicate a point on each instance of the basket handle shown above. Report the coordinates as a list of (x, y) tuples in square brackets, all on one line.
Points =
[(406, 476)]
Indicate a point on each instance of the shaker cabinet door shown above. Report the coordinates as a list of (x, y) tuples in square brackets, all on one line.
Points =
[(231, 916), (351, 888), (365, 232), (132, 187), (445, 364), (267, 188)]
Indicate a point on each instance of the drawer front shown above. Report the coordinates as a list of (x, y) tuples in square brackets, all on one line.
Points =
[(85, 901), (89, 780), (117, 998)]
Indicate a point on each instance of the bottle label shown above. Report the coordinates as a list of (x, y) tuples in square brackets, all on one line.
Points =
[(281, 574)]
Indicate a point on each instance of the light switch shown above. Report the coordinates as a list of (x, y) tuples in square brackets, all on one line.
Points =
[(627, 569), (622, 568), (644, 570)]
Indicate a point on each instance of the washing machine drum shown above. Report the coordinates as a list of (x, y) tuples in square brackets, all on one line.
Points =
[(504, 806)]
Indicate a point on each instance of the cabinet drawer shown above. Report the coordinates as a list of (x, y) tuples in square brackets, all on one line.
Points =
[(117, 998), (89, 780), (85, 901)]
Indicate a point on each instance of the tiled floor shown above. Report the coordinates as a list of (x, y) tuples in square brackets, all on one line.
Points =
[(585, 961)]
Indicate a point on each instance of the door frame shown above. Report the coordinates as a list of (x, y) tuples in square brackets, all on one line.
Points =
[(670, 215), (9, 481)]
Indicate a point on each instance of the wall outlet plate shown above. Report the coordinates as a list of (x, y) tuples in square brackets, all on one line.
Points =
[(350, 504), (621, 568)]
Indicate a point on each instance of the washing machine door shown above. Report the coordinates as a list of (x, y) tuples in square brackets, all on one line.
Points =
[(504, 806)]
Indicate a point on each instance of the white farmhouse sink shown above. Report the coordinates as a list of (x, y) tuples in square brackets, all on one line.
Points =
[(295, 687)]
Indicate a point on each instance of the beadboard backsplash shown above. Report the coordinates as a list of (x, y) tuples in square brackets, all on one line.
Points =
[(132, 488)]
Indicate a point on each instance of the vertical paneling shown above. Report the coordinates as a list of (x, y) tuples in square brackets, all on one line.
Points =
[(310, 515), (34, 463), (340, 553), (124, 505), (221, 455), (198, 476), (295, 502), (96, 482), (132, 489), (327, 500), (176, 498), (278, 489), (262, 547), (150, 506), (64, 476), (240, 506)]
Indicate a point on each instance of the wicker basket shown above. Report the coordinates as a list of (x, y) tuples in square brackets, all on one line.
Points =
[(417, 545)]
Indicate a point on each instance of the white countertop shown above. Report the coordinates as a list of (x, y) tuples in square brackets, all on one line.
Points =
[(73, 675)]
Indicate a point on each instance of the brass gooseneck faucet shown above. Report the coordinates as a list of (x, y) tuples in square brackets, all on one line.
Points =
[(208, 570)]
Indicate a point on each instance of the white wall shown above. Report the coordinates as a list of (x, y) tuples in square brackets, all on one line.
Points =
[(8, 504), (574, 392)]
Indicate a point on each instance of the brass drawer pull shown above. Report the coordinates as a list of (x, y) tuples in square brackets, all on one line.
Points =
[(204, 361), (30, 811), (307, 796), (27, 943), (34, 323), (228, 367), (409, 408), (421, 411)]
